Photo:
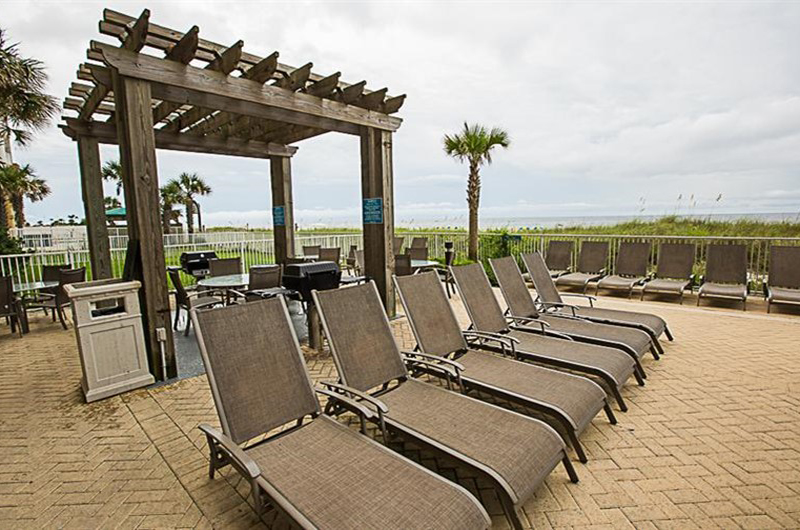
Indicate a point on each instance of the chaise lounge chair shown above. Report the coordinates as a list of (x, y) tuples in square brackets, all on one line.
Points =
[(559, 257), (726, 274), (591, 266), (522, 309), (673, 271), (630, 268), (536, 343), (570, 401), (551, 300), (783, 284), (514, 452), (317, 472)]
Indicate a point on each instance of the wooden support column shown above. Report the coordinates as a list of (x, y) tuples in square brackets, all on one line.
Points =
[(282, 207), (94, 207), (137, 150), (377, 192)]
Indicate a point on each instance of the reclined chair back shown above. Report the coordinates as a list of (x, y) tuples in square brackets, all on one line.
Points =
[(784, 266), (359, 335), (542, 281), (515, 292), (431, 317), (726, 264), (479, 299), (675, 260), (593, 257), (632, 259), (255, 368), (559, 255)]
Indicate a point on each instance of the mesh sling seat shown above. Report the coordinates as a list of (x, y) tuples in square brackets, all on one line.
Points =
[(537, 344), (317, 472), (522, 310), (726, 274), (514, 452), (673, 270), (783, 283), (569, 401), (591, 266), (551, 300), (630, 268), (559, 257)]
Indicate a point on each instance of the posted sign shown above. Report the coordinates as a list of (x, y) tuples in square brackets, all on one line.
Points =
[(373, 211), (278, 216)]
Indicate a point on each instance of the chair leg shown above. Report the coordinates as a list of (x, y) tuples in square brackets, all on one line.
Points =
[(188, 324), (668, 333), (610, 413), (511, 512), (573, 440), (573, 476), (61, 317), (177, 315), (620, 401)]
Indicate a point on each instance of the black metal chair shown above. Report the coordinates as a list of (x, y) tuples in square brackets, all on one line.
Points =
[(188, 299), (10, 306), (60, 299)]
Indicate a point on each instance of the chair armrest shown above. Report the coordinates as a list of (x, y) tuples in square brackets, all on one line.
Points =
[(379, 405), (579, 295), (233, 451), (204, 305), (436, 358), (350, 404), (483, 336), (560, 304), (528, 320)]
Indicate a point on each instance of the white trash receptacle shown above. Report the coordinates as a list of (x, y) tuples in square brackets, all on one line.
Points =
[(108, 326)]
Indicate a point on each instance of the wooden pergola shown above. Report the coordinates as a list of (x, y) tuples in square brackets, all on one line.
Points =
[(190, 94)]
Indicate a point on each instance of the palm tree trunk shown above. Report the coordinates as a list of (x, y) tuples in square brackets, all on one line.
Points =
[(8, 212), (166, 212), (199, 217), (189, 216), (473, 199), (18, 204)]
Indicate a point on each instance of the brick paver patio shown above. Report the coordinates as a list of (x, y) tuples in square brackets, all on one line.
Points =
[(713, 440)]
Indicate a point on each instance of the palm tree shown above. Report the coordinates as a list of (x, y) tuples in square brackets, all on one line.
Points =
[(18, 183), (112, 203), (24, 106), (171, 194), (112, 171), (474, 145), (190, 185)]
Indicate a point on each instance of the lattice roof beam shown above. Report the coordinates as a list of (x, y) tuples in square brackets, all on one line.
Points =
[(133, 40)]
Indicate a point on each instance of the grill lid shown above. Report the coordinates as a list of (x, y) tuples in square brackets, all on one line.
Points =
[(302, 270)]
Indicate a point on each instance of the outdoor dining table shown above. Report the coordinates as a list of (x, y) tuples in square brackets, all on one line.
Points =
[(417, 264), (225, 283), (29, 287)]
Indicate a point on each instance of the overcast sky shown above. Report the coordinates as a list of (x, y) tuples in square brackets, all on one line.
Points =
[(612, 108)]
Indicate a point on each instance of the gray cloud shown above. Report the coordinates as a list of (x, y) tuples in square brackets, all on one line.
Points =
[(606, 103)]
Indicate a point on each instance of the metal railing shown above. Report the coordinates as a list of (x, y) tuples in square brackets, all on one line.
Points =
[(254, 248)]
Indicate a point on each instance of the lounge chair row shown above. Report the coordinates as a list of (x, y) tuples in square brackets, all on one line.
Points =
[(302, 462), (725, 272)]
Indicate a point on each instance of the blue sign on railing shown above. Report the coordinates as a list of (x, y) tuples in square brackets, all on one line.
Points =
[(373, 211), (278, 216)]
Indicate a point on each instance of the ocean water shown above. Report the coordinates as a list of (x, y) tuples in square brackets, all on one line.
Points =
[(556, 222)]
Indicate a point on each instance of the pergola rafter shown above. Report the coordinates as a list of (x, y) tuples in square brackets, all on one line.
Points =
[(158, 88)]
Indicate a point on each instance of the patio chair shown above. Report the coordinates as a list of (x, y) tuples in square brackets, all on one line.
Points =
[(419, 242), (329, 254), (783, 283), (726, 274), (188, 299), (350, 262), (513, 452), (418, 253), (551, 301), (10, 306), (360, 263), (673, 270), (445, 274), (224, 266), (402, 265), (315, 471), (397, 244), (566, 400), (49, 274), (536, 343), (58, 301), (522, 308), (630, 268), (591, 266), (311, 250), (559, 257)]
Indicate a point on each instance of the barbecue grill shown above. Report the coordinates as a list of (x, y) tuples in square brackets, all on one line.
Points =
[(303, 277), (196, 263)]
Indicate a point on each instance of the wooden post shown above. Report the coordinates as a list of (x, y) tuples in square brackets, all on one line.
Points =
[(94, 207), (134, 114), (377, 192), (282, 207)]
